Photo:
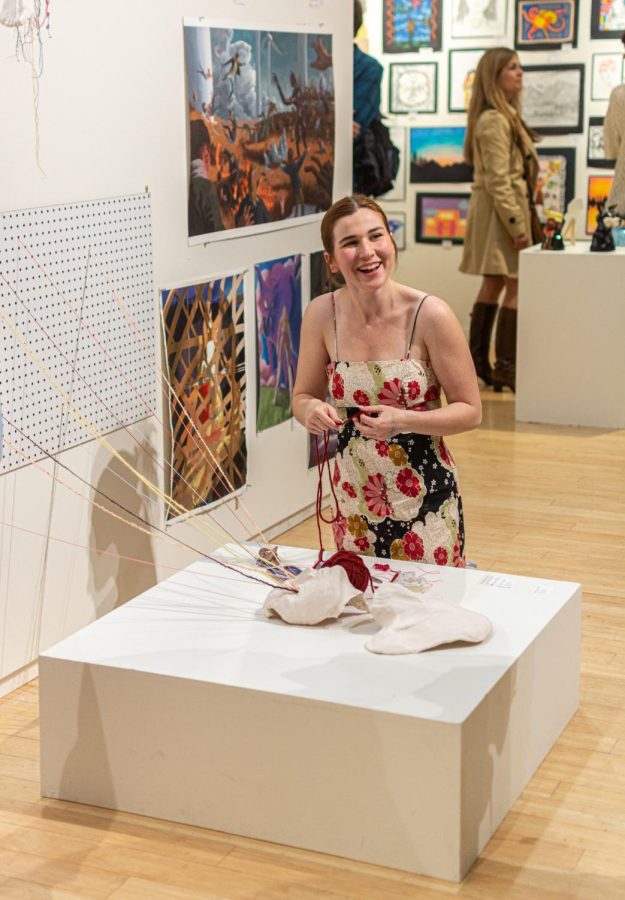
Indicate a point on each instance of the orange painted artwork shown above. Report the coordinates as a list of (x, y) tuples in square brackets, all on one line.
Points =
[(599, 187)]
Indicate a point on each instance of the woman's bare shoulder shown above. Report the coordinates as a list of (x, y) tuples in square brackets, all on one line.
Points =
[(319, 309)]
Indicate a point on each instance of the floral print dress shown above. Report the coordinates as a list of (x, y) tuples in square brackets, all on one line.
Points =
[(397, 498)]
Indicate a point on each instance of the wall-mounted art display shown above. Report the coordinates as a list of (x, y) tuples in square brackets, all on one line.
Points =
[(397, 225), (478, 19), (412, 87), (555, 187), (441, 217), (599, 187), (607, 73), (545, 24), (260, 124), (278, 291), (319, 280), (398, 191), (607, 19), (408, 25), (595, 156), (437, 155), (203, 333), (462, 66), (553, 98)]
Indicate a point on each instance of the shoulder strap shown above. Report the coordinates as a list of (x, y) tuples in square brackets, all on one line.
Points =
[(414, 324), (336, 336)]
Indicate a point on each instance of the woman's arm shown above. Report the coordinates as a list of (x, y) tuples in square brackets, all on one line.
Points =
[(613, 125), (450, 358), (493, 134), (311, 384)]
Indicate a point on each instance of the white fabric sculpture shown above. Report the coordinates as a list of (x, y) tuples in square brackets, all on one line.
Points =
[(16, 12), (411, 622), (323, 594)]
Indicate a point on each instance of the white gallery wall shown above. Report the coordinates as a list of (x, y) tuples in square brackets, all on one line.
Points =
[(112, 121)]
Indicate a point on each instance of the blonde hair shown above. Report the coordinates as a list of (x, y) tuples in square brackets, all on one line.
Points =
[(487, 94)]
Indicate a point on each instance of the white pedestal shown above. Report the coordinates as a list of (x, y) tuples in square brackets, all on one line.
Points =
[(189, 705), (571, 335)]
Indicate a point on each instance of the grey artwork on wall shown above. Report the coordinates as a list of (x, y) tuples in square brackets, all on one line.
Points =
[(412, 87), (553, 98), (478, 19)]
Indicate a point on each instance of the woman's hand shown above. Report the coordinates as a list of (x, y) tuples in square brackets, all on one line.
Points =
[(520, 242), (321, 417), (379, 422)]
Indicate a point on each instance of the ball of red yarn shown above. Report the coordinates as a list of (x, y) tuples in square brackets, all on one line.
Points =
[(354, 566)]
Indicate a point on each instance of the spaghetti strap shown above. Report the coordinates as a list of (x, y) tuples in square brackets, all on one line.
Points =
[(414, 324), (336, 336)]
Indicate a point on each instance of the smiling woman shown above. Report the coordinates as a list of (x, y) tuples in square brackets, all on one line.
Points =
[(384, 350)]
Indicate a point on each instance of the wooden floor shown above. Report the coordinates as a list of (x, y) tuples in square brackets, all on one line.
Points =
[(541, 501)]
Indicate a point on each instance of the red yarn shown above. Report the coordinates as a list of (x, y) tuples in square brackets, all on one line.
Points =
[(354, 565)]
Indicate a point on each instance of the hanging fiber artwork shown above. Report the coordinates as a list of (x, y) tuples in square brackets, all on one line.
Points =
[(29, 18)]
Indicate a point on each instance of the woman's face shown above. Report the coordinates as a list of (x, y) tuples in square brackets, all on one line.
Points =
[(511, 78), (363, 251)]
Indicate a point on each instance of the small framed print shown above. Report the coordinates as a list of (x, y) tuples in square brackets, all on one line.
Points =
[(412, 87), (607, 73), (553, 98), (462, 66), (437, 155), (408, 25), (397, 224), (555, 187), (398, 191), (595, 156), (486, 19), (441, 218), (607, 19), (545, 24), (599, 187)]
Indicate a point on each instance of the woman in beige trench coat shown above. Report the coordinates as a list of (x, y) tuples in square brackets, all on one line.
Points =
[(501, 149)]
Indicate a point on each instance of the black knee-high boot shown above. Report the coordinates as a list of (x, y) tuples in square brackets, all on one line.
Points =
[(504, 373), (482, 320)]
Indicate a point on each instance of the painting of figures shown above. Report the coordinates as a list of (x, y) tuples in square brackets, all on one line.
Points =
[(441, 217), (555, 185), (437, 155), (607, 73), (607, 19), (478, 19), (553, 98), (462, 66), (545, 24), (407, 25), (596, 146), (397, 224), (278, 289), (319, 279), (260, 117), (203, 335), (599, 187)]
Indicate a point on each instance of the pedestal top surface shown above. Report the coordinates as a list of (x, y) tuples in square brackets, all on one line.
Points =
[(206, 624)]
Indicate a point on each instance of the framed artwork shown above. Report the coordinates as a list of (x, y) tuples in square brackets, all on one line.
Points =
[(278, 292), (398, 191), (595, 156), (397, 224), (607, 19), (319, 281), (599, 187), (462, 66), (545, 24), (441, 217), (553, 98), (478, 19), (203, 334), (607, 73), (437, 155), (555, 187), (407, 25), (412, 87), (250, 96)]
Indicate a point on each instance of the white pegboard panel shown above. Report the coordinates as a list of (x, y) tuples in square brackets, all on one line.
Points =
[(65, 265)]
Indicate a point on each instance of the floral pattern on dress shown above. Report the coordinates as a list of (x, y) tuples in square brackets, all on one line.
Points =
[(397, 498)]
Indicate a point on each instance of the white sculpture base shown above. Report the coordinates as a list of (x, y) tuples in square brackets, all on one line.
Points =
[(188, 705)]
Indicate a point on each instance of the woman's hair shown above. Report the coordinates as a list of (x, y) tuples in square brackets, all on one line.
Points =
[(623, 39), (357, 16), (487, 94), (347, 206)]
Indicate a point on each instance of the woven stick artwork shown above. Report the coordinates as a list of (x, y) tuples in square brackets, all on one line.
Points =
[(203, 329)]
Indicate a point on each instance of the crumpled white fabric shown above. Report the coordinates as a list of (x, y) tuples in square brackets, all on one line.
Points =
[(411, 622), (16, 12), (323, 594)]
